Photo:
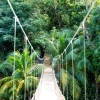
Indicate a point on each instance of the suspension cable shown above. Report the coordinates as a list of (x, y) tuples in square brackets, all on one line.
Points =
[(23, 29), (77, 31)]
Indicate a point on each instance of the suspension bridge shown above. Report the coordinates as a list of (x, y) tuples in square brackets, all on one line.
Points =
[(49, 88)]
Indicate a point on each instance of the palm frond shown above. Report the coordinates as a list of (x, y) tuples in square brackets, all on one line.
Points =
[(69, 55), (21, 83), (18, 73), (4, 67), (7, 85), (5, 79), (33, 80), (77, 89), (52, 48), (79, 74), (63, 78), (80, 65)]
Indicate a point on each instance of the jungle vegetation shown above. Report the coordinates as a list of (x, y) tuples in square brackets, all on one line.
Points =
[(49, 25)]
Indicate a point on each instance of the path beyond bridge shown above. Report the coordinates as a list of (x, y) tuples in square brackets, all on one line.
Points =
[(48, 88)]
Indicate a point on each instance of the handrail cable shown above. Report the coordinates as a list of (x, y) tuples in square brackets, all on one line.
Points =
[(17, 19), (77, 31)]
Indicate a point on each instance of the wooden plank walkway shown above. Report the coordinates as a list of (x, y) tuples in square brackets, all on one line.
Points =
[(48, 88), (48, 91)]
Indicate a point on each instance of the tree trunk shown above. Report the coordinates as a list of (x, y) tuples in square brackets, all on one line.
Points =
[(96, 95)]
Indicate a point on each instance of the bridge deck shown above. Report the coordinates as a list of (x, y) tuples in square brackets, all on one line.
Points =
[(48, 88)]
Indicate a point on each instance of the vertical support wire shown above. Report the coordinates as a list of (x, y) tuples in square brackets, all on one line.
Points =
[(72, 68), (31, 76), (34, 73), (84, 32), (60, 71), (66, 73), (62, 76), (34, 76), (57, 66), (14, 55), (25, 69)]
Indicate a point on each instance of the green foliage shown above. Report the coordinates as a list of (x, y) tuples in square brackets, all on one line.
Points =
[(92, 54), (95, 60), (50, 25), (19, 74), (94, 22)]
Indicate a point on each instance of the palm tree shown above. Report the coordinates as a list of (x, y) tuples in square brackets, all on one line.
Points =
[(23, 81), (65, 77)]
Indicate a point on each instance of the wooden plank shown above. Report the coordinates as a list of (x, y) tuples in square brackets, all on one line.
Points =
[(48, 88)]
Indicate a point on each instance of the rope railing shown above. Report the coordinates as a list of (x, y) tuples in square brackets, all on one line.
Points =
[(17, 20), (77, 31), (34, 60), (60, 58)]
